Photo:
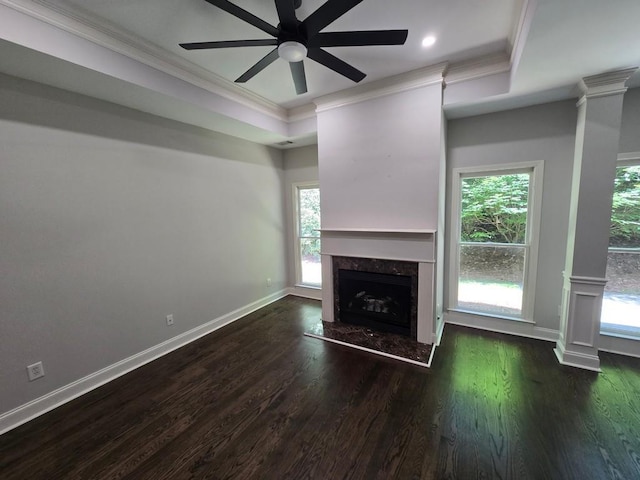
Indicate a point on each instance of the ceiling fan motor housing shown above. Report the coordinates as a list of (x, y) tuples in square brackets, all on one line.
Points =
[(297, 32)]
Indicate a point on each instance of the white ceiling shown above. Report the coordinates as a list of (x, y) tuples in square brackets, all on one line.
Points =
[(544, 47), (570, 39), (464, 29)]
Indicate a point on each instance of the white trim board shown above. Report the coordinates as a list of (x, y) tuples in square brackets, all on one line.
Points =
[(509, 327), (618, 345), (295, 233), (305, 292), (22, 414), (439, 332)]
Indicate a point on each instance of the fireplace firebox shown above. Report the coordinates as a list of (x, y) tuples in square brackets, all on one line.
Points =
[(376, 300)]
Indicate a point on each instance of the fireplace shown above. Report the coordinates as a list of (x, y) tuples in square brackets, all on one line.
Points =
[(377, 300), (375, 293), (392, 256)]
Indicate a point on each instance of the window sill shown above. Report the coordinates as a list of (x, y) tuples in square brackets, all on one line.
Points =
[(621, 334), (304, 285), (491, 315)]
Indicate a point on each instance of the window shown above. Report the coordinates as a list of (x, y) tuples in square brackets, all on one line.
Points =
[(496, 219), (308, 269), (621, 302)]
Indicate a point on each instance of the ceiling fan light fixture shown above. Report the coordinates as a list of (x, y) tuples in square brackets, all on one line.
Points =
[(291, 37), (292, 51)]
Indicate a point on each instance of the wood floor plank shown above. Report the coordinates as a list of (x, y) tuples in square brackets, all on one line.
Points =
[(258, 400)]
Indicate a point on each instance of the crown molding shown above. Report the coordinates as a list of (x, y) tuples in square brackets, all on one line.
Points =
[(604, 84), (108, 36), (303, 112), (422, 77), (477, 68), (521, 30), (575, 279)]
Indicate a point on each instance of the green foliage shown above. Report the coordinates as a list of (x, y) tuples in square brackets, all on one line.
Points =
[(625, 214), (309, 205), (494, 208)]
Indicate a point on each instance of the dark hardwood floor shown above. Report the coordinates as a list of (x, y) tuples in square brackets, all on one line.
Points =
[(259, 400)]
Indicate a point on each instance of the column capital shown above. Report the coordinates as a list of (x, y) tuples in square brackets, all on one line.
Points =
[(604, 84)]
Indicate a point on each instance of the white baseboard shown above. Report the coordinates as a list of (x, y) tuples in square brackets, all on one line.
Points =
[(305, 292), (510, 327), (22, 414), (617, 351), (619, 345)]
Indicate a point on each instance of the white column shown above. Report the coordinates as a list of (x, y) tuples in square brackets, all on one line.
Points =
[(596, 152)]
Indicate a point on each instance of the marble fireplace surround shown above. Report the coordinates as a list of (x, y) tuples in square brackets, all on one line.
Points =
[(405, 245), (376, 265)]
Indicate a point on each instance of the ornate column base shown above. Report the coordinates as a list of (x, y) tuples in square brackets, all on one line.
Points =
[(577, 345)]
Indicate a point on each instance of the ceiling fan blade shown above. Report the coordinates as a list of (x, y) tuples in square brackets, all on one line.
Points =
[(267, 60), (327, 13), (229, 43), (286, 13), (359, 39), (242, 14), (299, 78), (335, 64)]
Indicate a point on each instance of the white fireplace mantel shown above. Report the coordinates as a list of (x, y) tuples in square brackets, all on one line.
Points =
[(411, 245), (394, 231)]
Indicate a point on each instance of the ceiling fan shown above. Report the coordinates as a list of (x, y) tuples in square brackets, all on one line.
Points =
[(295, 40)]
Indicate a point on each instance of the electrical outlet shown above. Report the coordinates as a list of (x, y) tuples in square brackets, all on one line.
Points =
[(35, 371), (170, 319), (268, 282)]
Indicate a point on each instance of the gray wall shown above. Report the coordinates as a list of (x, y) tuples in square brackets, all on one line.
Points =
[(111, 219), (630, 130), (300, 165), (545, 132)]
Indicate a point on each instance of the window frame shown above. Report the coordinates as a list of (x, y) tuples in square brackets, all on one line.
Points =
[(534, 214), (628, 160), (296, 187)]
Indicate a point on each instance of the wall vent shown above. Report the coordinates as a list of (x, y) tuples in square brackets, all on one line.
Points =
[(286, 142)]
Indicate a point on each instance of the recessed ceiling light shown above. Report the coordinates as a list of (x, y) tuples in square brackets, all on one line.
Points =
[(428, 41)]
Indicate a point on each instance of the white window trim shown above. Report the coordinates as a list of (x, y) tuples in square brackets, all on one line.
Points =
[(630, 159), (534, 213), (295, 187)]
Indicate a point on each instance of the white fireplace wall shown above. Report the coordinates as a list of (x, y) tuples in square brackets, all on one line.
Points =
[(379, 165), (379, 161)]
